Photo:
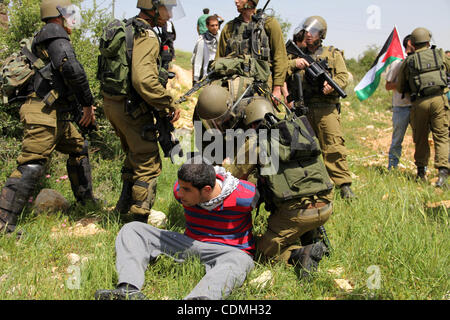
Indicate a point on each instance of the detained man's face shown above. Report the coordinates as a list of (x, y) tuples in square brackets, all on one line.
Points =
[(191, 196)]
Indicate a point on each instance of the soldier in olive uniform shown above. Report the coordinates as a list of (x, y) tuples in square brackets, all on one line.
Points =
[(142, 164), (423, 75), (235, 42), (46, 113), (292, 234), (323, 102)]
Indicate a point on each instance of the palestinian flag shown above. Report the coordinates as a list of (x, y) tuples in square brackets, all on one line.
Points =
[(392, 50)]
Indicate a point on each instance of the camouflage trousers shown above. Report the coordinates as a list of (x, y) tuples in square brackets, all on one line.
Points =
[(326, 122), (142, 164), (431, 114), (287, 223)]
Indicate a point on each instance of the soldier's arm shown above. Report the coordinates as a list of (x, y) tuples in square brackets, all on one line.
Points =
[(278, 51), (145, 73), (64, 60), (402, 86), (242, 167), (224, 36), (341, 77)]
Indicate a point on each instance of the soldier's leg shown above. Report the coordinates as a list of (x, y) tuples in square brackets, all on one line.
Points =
[(38, 143), (143, 161), (420, 119), (439, 127), (327, 125), (285, 227), (78, 165)]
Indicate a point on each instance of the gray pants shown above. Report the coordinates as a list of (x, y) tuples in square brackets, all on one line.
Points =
[(137, 244)]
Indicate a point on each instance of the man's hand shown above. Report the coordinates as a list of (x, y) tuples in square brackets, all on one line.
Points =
[(301, 63), (285, 92), (175, 115), (88, 116), (277, 94), (327, 89)]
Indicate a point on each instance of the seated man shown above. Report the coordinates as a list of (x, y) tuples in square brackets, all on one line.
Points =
[(218, 210)]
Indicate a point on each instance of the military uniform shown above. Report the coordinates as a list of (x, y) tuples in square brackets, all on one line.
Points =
[(142, 165), (428, 113), (47, 128), (277, 56), (324, 113)]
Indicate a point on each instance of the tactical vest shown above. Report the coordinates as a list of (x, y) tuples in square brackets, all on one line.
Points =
[(427, 73), (247, 52), (302, 172), (116, 51)]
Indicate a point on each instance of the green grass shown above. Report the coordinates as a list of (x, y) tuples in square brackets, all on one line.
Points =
[(388, 226), (183, 59)]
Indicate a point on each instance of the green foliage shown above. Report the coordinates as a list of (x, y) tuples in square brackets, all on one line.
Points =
[(359, 67), (285, 26)]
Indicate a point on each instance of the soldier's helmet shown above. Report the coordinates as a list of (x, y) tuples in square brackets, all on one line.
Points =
[(315, 25), (214, 108), (257, 109), (55, 8), (174, 8), (420, 35)]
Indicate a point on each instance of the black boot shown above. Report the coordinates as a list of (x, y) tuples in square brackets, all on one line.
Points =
[(307, 258), (442, 180), (346, 191), (79, 172), (421, 173), (124, 291), (126, 196), (16, 193)]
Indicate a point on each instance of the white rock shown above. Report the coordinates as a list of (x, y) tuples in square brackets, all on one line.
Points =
[(157, 219), (263, 280), (73, 258)]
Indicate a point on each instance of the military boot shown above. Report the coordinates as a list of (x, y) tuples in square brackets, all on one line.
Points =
[(421, 173), (442, 179), (307, 258), (15, 194), (314, 236), (126, 196), (124, 291), (346, 191), (79, 172)]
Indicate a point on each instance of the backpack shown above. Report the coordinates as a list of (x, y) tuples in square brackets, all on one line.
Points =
[(116, 51), (114, 61), (427, 73), (18, 70), (301, 170)]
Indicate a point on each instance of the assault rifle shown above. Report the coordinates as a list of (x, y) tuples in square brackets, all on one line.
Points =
[(77, 113), (197, 86), (317, 71), (166, 138), (295, 88)]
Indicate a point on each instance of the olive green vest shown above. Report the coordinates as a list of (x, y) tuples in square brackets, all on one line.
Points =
[(302, 172)]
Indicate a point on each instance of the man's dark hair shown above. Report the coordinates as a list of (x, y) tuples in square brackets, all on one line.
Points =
[(447, 52), (206, 11), (405, 41), (199, 175), (211, 18)]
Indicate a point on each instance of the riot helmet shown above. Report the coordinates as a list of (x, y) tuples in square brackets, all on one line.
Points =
[(315, 25), (214, 109), (420, 36), (257, 109), (173, 7)]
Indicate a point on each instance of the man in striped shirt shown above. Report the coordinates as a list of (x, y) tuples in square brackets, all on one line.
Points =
[(218, 210)]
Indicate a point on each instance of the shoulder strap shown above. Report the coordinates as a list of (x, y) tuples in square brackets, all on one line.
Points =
[(129, 39)]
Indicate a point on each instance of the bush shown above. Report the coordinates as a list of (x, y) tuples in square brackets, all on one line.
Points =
[(364, 63)]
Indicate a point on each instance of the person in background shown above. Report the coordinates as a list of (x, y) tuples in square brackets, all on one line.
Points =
[(201, 22), (401, 108), (205, 49)]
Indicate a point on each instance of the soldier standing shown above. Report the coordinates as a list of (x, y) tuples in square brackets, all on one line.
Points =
[(423, 75), (46, 114), (236, 41), (323, 102), (130, 114)]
